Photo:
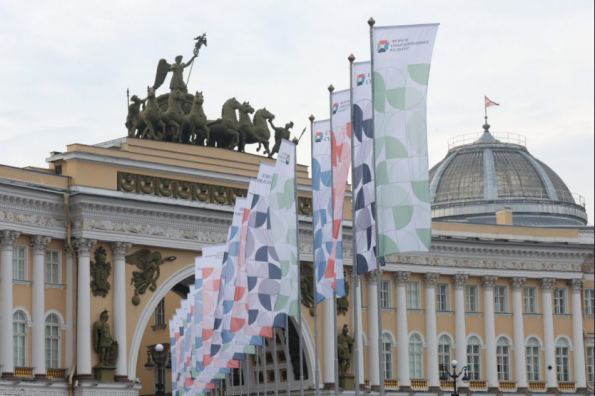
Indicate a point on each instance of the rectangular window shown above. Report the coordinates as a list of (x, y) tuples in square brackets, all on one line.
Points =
[(590, 364), (387, 354), (559, 300), (530, 299), (533, 363), (472, 298), (160, 313), (501, 299), (413, 301), (19, 263), (589, 301), (442, 294), (385, 294), (52, 267)]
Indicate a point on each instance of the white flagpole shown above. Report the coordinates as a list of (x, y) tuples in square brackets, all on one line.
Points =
[(335, 342), (240, 371), (287, 358), (257, 377), (299, 278), (371, 22), (276, 364), (354, 275), (233, 383), (316, 361)]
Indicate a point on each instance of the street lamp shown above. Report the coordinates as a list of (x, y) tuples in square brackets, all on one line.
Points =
[(444, 375), (158, 356)]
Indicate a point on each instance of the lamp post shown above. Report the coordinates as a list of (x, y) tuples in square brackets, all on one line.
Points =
[(444, 375), (158, 356)]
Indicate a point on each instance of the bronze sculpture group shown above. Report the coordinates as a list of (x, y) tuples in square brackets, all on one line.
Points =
[(178, 116)]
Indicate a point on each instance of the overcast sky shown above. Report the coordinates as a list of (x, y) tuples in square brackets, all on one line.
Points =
[(65, 67)]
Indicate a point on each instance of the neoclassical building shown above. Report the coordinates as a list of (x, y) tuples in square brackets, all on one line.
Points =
[(507, 288)]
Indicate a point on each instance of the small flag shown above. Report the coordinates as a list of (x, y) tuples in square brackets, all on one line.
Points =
[(489, 102)]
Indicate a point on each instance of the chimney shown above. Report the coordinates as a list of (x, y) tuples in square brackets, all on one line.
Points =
[(504, 216)]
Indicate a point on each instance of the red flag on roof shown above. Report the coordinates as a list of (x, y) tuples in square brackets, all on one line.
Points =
[(489, 103)]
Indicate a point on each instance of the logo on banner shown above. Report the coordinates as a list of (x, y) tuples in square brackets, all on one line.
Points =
[(361, 79), (382, 46), (335, 108), (287, 159), (318, 137)]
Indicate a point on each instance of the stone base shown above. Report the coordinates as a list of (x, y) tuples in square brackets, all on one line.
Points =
[(434, 389), (121, 378), (8, 376), (347, 381), (40, 377), (104, 373), (328, 386)]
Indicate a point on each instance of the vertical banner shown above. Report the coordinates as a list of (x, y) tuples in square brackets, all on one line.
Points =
[(401, 62), (322, 206), (173, 338), (341, 158), (263, 272), (283, 227), (212, 262), (364, 194)]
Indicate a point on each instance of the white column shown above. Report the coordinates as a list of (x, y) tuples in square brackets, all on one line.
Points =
[(488, 282), (329, 341), (548, 332), (431, 332), (373, 331), (69, 308), (119, 249), (459, 281), (360, 333), (520, 364), (7, 239), (403, 376), (576, 286), (83, 334), (38, 244)]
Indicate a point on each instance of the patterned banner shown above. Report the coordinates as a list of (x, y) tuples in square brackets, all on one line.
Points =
[(364, 194), (341, 156), (173, 342), (402, 56), (322, 207), (283, 223), (212, 263), (262, 263)]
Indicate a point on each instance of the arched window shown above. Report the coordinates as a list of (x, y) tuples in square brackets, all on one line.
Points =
[(563, 360), (415, 357), (503, 356), (19, 338), (444, 352), (474, 358), (533, 360), (52, 341), (387, 355)]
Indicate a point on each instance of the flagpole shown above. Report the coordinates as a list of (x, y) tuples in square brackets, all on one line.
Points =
[(257, 361), (354, 276), (240, 371), (275, 362), (299, 277), (371, 23), (248, 372), (287, 358), (264, 366), (335, 339), (316, 361)]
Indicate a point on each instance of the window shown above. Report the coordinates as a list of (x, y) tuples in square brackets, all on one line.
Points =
[(589, 301), (160, 313), (503, 357), (474, 358), (52, 267), (52, 341), (19, 338), (415, 357), (442, 297), (563, 360), (385, 294), (444, 351), (533, 360), (19, 262), (590, 363), (413, 301), (387, 355), (559, 301), (472, 299), (500, 299), (530, 300)]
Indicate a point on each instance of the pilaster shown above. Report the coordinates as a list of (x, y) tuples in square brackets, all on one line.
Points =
[(38, 244)]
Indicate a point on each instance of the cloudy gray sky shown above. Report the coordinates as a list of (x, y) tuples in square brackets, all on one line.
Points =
[(65, 67)]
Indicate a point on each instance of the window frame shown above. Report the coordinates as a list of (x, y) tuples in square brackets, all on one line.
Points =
[(442, 354), (157, 313), (57, 337), (387, 356), (590, 363), (446, 297), (410, 293), (417, 355), (503, 359), (474, 375), (475, 297), (24, 335), (59, 267), (388, 293), (589, 301), (497, 296), (563, 299), (25, 260), (527, 299), (561, 358), (531, 358)]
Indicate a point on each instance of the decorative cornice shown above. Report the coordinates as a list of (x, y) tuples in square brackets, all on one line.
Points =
[(430, 279), (517, 283), (7, 238), (119, 249), (38, 243), (576, 285), (83, 246), (372, 276), (459, 280), (547, 283), (488, 281), (401, 277)]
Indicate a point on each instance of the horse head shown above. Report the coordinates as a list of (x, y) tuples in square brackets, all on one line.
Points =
[(177, 95), (233, 103), (267, 115), (150, 92), (246, 108), (198, 98)]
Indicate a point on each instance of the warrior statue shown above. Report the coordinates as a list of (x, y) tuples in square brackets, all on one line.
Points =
[(280, 133), (132, 119), (177, 69), (344, 347), (103, 343)]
